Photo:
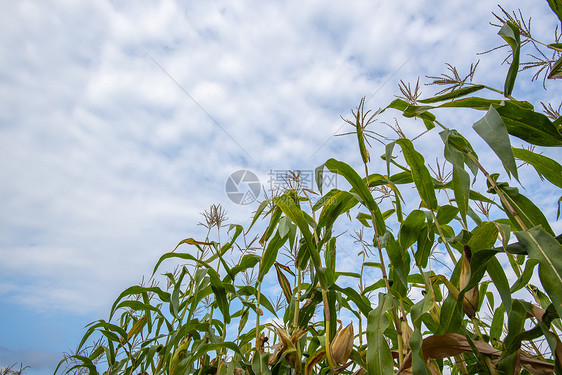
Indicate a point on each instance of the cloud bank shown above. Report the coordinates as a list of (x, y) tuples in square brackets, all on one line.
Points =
[(122, 121)]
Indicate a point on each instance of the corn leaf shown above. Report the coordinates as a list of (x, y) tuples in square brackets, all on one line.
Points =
[(270, 255), (284, 283), (515, 325), (400, 261), (556, 6), (496, 328), (510, 33), (379, 357), (548, 252), (527, 211), (556, 70), (492, 129), (420, 173), (545, 166), (528, 125), (360, 188), (497, 274), (287, 204), (337, 204), (525, 277), (453, 94)]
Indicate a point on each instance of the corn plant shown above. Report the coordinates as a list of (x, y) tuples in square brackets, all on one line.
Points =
[(217, 316)]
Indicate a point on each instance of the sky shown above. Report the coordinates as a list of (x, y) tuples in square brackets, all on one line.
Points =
[(122, 121)]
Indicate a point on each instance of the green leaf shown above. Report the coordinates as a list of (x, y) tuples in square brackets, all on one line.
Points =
[(259, 211), (530, 214), (556, 7), (337, 204), (425, 244), (525, 277), (446, 213), (359, 131), (273, 221), (510, 33), (136, 290), (492, 129), (419, 365), (259, 364), (204, 349), (388, 155), (473, 102), (483, 237), (515, 325), (287, 204), (379, 357), (86, 363), (360, 188), (399, 259), (249, 290), (349, 274), (401, 178), (414, 111), (330, 254), (248, 261), (330, 312), (450, 316), (496, 329), (543, 247), (545, 167), (497, 274), (528, 125), (420, 173), (137, 306), (456, 148), (410, 228), (284, 283), (220, 294), (454, 94), (270, 255), (284, 226), (377, 285), (319, 177), (184, 256), (556, 70), (519, 118)]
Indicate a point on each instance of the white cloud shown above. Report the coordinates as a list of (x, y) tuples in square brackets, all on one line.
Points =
[(107, 162)]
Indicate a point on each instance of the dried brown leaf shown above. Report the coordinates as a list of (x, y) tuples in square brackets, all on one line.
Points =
[(451, 344)]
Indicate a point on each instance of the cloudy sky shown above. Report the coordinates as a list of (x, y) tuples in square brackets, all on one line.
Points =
[(121, 122)]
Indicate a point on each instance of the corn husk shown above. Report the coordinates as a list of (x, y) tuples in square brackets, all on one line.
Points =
[(406, 332), (342, 345), (260, 342), (471, 298), (178, 356), (286, 345)]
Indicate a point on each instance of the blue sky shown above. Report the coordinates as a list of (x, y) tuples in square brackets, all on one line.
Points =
[(121, 122)]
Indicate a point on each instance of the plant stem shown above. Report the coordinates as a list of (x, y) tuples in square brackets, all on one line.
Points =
[(487, 359), (258, 298), (397, 324), (296, 314), (445, 242), (495, 187), (258, 313), (507, 205), (327, 328), (460, 362)]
